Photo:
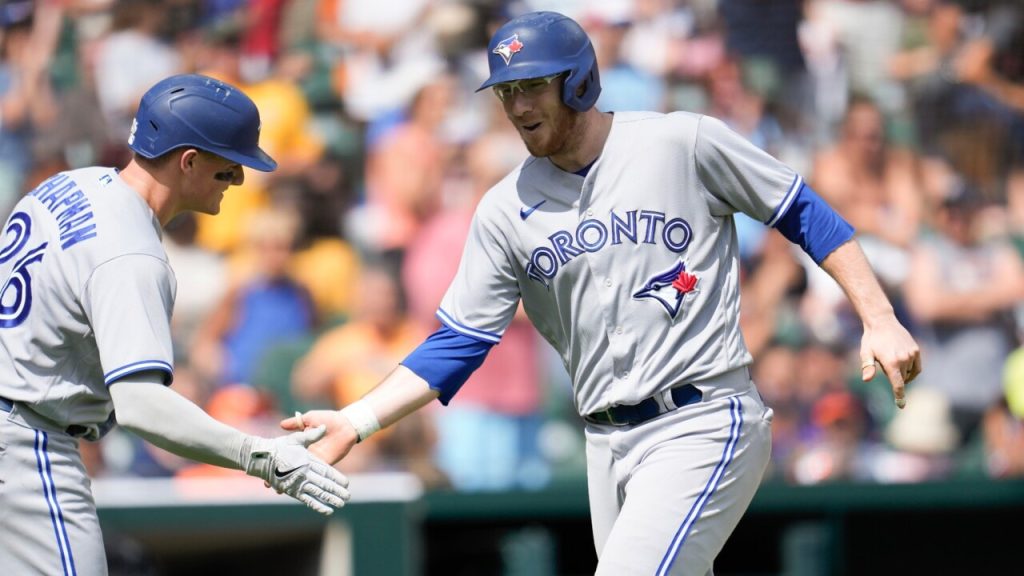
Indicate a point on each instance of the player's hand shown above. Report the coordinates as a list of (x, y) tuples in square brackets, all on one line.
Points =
[(336, 443), (894, 349), (287, 466)]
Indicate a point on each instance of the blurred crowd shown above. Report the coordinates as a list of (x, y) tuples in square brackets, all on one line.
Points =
[(316, 279)]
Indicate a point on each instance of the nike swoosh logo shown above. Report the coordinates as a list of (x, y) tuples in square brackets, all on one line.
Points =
[(282, 474), (524, 213)]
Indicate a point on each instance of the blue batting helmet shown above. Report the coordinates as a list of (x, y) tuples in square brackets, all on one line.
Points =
[(540, 44), (199, 112)]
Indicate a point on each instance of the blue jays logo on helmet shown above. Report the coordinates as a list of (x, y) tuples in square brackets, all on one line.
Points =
[(508, 47), (539, 44), (668, 288)]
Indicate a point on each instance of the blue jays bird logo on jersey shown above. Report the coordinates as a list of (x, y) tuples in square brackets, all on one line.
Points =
[(508, 47), (669, 287)]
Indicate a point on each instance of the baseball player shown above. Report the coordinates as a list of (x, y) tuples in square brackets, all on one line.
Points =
[(617, 236), (85, 309)]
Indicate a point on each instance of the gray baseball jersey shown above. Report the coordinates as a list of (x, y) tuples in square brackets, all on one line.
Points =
[(631, 273), (86, 299)]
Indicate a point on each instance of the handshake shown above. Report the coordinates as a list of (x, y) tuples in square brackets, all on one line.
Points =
[(285, 464)]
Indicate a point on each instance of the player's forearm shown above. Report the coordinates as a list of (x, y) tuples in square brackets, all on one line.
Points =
[(399, 394), (170, 421), (850, 269)]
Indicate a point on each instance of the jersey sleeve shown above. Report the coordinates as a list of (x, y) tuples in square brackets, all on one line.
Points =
[(128, 302), (482, 298), (740, 177), (446, 360)]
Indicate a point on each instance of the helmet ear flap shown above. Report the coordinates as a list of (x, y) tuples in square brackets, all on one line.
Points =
[(582, 87)]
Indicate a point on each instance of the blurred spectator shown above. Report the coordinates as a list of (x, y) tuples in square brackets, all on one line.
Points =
[(349, 359), (345, 362), (773, 372), (201, 276), (864, 34), (960, 288), (924, 438), (823, 370), (404, 171), (27, 101), (841, 448), (655, 37), (765, 36), (79, 135), (771, 279), (489, 435), (286, 134), (262, 307), (1004, 442), (731, 101), (136, 36), (874, 185), (960, 105), (623, 85), (384, 56), (931, 38), (261, 41), (326, 263), (992, 62)]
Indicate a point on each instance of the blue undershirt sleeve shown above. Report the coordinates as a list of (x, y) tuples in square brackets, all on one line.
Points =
[(446, 359), (813, 225)]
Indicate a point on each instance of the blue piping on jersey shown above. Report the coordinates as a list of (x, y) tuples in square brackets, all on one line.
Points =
[(60, 531), (812, 224), (446, 359), (736, 411), (142, 366), (466, 330), (787, 200)]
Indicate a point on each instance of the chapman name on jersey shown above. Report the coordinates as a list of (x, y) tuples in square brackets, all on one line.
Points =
[(69, 206)]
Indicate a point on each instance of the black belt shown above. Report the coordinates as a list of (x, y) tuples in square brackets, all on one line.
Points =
[(6, 405), (632, 414)]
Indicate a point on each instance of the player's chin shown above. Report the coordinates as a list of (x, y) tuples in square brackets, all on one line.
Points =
[(537, 147), (212, 209)]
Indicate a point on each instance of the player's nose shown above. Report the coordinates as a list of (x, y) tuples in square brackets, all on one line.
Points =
[(518, 104)]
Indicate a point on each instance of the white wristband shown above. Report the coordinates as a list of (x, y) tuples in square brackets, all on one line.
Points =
[(362, 418)]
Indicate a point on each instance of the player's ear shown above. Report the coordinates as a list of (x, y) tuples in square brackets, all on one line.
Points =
[(188, 159)]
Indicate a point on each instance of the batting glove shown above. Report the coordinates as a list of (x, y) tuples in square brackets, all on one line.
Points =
[(286, 466)]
